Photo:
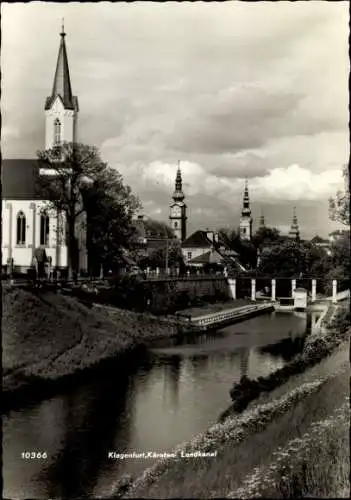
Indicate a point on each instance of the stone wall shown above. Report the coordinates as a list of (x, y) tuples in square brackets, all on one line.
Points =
[(163, 292)]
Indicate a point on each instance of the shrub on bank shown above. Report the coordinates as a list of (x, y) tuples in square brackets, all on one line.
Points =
[(247, 390)]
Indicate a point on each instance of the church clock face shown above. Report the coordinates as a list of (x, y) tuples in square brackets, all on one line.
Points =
[(177, 211)]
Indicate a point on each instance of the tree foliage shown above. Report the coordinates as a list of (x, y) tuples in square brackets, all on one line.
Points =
[(82, 183), (290, 259), (246, 249), (266, 236), (339, 207)]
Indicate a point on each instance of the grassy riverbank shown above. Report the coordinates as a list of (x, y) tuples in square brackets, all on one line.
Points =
[(270, 449), (247, 442), (46, 336), (317, 348)]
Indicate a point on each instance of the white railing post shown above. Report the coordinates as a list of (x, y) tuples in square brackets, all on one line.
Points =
[(157, 271), (314, 290), (335, 290), (232, 287), (273, 289), (253, 289), (293, 286)]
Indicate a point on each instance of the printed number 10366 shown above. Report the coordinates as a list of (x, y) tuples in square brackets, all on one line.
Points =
[(34, 455)]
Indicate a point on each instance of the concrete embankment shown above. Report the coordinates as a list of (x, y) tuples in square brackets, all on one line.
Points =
[(204, 322)]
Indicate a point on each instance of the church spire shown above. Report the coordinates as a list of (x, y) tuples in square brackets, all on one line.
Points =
[(262, 221), (294, 229), (245, 219), (62, 81), (246, 211), (178, 192)]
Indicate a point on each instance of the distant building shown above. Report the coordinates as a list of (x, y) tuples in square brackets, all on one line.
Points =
[(262, 222), (150, 235), (178, 216), (246, 219), (294, 232), (202, 248)]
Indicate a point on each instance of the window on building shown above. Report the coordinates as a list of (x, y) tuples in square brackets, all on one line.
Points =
[(175, 225), (57, 131), (244, 230), (189, 255), (44, 229), (21, 228)]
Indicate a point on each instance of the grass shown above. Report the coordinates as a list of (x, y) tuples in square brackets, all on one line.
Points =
[(242, 443), (48, 335), (315, 465)]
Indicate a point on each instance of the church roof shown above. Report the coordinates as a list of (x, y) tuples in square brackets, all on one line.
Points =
[(62, 81), (18, 179), (207, 258), (197, 240)]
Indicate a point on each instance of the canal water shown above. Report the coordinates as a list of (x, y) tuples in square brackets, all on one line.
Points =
[(175, 391)]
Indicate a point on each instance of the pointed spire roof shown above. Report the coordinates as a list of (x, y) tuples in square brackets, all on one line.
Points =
[(178, 194), (246, 211), (62, 81), (294, 229)]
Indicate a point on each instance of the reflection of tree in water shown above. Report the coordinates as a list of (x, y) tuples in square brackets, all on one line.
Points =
[(94, 414), (287, 348), (244, 353), (171, 378)]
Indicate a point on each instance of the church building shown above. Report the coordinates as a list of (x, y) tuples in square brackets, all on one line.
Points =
[(28, 222)]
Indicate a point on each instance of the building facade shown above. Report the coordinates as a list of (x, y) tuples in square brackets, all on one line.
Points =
[(28, 221)]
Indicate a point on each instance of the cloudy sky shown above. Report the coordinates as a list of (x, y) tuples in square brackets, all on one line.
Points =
[(232, 90)]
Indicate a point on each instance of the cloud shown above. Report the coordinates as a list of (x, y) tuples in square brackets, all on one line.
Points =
[(232, 89)]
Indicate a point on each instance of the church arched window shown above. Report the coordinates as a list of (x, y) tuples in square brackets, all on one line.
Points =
[(57, 131), (21, 228), (175, 225), (44, 229)]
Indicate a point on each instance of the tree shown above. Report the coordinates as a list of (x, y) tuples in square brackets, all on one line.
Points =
[(245, 249), (170, 252), (230, 237), (81, 183), (339, 207), (266, 236), (289, 259)]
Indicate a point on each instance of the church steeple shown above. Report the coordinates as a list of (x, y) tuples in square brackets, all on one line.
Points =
[(246, 210), (245, 219), (294, 232), (178, 208), (262, 221), (62, 82), (61, 107), (178, 194)]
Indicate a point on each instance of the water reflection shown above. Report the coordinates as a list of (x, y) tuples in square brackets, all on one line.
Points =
[(170, 394), (286, 349)]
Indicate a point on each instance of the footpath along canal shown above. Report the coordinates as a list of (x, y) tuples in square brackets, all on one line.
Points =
[(173, 392)]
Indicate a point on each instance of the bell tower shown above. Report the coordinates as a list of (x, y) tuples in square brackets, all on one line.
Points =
[(294, 232), (61, 107), (177, 215), (246, 219)]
